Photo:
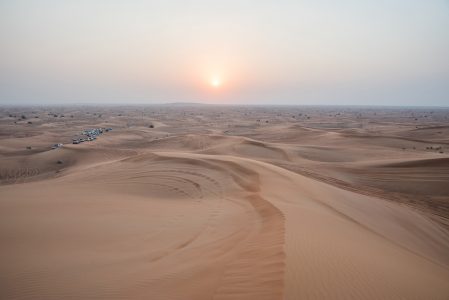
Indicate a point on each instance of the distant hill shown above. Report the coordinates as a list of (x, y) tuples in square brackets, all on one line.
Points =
[(185, 103)]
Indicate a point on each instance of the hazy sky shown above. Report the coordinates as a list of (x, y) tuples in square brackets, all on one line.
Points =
[(388, 52)]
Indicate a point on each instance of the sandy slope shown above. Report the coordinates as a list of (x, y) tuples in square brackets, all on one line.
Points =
[(194, 226)]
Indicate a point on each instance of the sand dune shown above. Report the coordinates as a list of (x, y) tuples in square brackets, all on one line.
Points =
[(431, 163), (145, 214)]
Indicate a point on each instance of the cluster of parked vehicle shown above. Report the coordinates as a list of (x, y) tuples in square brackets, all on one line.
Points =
[(82, 140), (90, 135)]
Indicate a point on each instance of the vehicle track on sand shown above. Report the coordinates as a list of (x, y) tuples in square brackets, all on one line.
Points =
[(256, 268), (249, 255)]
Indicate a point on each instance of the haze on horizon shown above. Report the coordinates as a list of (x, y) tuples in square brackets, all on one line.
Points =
[(352, 52)]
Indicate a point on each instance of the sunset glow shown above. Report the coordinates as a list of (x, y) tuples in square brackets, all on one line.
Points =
[(215, 82), (291, 52)]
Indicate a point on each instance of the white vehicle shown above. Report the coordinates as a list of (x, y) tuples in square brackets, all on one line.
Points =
[(56, 146)]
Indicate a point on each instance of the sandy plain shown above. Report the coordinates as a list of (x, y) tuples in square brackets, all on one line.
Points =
[(224, 202)]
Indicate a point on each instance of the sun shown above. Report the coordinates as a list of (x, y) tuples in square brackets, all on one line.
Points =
[(215, 82)]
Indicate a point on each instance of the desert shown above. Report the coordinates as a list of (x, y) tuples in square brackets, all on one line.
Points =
[(192, 201)]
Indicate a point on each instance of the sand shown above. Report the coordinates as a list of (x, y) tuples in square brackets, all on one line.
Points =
[(225, 202)]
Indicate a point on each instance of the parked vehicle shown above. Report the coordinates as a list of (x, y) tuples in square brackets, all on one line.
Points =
[(56, 146)]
